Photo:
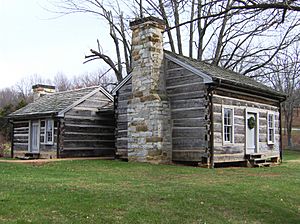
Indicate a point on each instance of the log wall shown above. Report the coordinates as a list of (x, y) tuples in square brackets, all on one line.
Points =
[(121, 106), (86, 132), (21, 139), (226, 152), (189, 113)]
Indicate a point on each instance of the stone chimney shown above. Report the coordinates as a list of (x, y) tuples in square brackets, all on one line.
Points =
[(41, 90), (149, 123)]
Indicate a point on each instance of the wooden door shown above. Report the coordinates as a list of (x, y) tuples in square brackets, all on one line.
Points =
[(34, 137), (251, 134)]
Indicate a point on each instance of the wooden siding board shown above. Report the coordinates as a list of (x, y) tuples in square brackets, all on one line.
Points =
[(240, 106), (122, 97), (86, 131), (186, 92)]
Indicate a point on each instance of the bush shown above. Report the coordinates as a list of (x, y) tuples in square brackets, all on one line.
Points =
[(1, 150)]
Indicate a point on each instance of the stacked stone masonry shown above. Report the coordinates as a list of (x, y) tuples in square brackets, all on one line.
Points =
[(149, 125)]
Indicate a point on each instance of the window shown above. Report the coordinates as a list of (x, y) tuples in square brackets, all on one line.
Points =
[(42, 131), (49, 132), (271, 128), (228, 125)]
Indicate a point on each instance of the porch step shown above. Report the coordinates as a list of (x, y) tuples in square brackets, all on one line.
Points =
[(254, 155), (261, 160), (32, 155), (265, 164)]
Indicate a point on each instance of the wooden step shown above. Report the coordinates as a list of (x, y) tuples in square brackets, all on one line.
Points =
[(260, 160), (32, 155), (266, 164)]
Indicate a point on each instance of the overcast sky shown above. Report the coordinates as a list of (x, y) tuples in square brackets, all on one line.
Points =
[(32, 42)]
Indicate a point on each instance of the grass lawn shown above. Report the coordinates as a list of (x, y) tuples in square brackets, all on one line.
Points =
[(97, 191)]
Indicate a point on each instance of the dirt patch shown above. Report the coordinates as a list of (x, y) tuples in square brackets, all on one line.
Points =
[(39, 162), (293, 161)]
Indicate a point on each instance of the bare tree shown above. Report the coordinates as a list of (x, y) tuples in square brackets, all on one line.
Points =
[(61, 82), (234, 34), (98, 78), (283, 74), (112, 15), (24, 86)]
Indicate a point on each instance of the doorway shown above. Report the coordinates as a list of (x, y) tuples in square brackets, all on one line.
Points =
[(34, 137), (251, 133)]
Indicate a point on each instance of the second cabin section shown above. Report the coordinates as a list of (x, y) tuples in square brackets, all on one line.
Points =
[(75, 123)]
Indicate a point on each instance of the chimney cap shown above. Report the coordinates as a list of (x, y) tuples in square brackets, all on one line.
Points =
[(146, 19), (42, 86)]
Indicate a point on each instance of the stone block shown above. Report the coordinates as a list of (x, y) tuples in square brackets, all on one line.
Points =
[(154, 139)]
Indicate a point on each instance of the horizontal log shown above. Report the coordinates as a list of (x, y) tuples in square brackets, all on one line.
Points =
[(86, 137), (104, 122), (88, 129), (122, 126), (193, 156), (48, 148), (180, 143), (20, 147), (184, 96), (193, 113), (122, 141), (96, 104), (18, 140), (122, 104), (235, 99), (184, 80), (87, 148), (91, 118), (180, 74), (222, 158), (190, 122), (77, 152), (192, 133), (121, 133), (88, 140), (229, 149), (189, 103), (89, 144), (90, 126), (172, 65), (122, 118), (20, 143), (83, 113), (22, 128), (121, 110), (124, 96), (185, 88)]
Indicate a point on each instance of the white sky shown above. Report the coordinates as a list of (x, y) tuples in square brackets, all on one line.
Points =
[(32, 43)]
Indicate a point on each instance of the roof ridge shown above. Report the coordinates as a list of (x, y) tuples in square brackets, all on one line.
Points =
[(74, 90)]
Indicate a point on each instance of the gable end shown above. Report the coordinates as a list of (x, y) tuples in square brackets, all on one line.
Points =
[(61, 113), (206, 78)]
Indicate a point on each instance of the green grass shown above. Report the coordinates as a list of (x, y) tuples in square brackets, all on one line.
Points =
[(119, 192)]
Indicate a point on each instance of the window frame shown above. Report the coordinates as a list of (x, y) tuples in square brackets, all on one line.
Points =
[(270, 141), (51, 142), (225, 142)]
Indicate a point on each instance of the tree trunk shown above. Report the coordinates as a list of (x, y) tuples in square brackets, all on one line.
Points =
[(191, 30)]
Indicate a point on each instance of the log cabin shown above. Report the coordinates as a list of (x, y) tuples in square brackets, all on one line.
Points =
[(171, 108), (75, 123)]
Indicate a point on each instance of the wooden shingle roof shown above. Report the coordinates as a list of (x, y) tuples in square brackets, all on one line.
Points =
[(212, 74), (56, 103), (224, 75)]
